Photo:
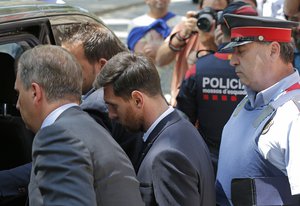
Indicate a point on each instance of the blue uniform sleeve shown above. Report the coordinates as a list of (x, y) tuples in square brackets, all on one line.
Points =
[(186, 99)]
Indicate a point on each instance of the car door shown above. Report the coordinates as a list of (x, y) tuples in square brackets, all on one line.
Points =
[(15, 38)]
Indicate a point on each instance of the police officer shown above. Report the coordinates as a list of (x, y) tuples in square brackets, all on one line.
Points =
[(261, 138), (211, 89)]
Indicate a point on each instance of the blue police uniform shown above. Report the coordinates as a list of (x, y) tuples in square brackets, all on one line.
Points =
[(208, 95), (245, 128), (261, 138)]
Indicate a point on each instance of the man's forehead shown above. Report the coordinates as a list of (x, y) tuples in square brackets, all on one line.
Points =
[(215, 4), (109, 94), (250, 46)]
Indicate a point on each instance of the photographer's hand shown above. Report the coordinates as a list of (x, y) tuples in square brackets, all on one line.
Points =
[(218, 35), (190, 24), (177, 40)]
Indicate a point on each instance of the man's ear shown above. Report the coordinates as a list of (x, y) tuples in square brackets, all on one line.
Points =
[(36, 93), (137, 98), (100, 63), (275, 49)]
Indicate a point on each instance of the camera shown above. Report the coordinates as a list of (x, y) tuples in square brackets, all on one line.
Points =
[(205, 18)]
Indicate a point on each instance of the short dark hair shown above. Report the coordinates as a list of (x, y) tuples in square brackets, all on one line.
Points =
[(127, 72), (97, 40), (286, 51)]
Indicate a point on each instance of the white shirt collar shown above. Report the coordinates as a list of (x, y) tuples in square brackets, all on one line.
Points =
[(50, 119), (163, 115)]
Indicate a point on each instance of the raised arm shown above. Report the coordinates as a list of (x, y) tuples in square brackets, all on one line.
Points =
[(177, 40)]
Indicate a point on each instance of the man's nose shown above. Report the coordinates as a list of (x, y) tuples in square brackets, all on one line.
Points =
[(234, 60), (112, 115), (18, 105)]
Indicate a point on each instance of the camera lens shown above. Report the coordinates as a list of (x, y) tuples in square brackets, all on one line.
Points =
[(204, 22)]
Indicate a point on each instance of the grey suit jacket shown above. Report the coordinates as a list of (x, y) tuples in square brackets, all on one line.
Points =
[(77, 162), (176, 168)]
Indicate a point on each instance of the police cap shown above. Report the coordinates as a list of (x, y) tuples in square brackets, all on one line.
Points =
[(246, 29), (237, 7)]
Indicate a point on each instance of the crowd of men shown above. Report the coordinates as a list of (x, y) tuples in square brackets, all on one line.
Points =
[(105, 134)]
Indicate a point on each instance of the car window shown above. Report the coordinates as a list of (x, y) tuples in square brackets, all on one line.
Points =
[(13, 49)]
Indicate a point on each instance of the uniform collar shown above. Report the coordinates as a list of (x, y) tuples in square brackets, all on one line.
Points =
[(272, 93)]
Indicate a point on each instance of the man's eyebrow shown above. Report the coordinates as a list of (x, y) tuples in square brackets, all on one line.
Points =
[(110, 103)]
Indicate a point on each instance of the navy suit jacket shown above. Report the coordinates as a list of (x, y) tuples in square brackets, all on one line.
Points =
[(175, 167), (75, 161), (14, 183)]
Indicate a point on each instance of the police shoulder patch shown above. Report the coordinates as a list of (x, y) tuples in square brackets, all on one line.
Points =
[(267, 126)]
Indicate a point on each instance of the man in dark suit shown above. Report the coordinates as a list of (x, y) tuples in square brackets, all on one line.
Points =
[(75, 161), (92, 45), (175, 167), (13, 185)]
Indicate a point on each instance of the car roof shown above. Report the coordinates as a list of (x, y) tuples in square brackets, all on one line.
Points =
[(11, 11)]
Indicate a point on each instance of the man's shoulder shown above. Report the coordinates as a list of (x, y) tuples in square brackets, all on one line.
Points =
[(95, 101), (172, 22), (70, 112), (178, 139), (291, 105), (178, 126), (76, 120), (213, 65), (143, 20), (203, 61)]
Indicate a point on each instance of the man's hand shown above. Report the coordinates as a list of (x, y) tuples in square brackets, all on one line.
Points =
[(190, 24), (218, 35)]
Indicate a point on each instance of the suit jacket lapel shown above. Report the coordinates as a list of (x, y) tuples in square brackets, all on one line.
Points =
[(165, 122)]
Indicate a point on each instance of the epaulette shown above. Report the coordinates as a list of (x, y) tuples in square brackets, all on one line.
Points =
[(240, 106), (273, 106), (265, 113), (270, 109)]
